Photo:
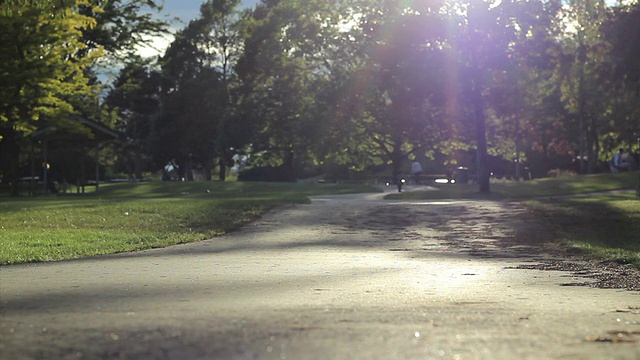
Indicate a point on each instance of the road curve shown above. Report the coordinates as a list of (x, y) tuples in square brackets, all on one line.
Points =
[(345, 277)]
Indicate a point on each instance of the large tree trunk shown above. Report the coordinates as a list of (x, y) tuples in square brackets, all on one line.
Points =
[(289, 165), (223, 168), (591, 144), (545, 150), (581, 105), (517, 143), (207, 169), (9, 155), (137, 165), (594, 149), (396, 163), (481, 137)]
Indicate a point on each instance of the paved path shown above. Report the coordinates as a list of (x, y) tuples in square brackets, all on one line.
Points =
[(346, 277)]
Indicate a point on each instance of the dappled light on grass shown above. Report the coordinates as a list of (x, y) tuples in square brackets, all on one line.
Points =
[(566, 185), (606, 227), (603, 225), (547, 187), (136, 216), (222, 190), (116, 227)]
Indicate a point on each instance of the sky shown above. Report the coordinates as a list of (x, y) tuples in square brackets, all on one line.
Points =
[(190, 9), (185, 11)]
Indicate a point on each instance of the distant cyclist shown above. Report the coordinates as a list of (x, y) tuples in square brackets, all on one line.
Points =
[(400, 180)]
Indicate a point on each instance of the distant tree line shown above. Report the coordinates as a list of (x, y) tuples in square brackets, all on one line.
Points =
[(351, 84)]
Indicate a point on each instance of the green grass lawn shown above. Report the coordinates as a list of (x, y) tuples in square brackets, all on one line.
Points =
[(135, 216), (547, 187), (603, 225)]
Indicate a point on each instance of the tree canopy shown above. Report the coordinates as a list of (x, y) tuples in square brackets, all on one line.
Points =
[(48, 53), (366, 85)]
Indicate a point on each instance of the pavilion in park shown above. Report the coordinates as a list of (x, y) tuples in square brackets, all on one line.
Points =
[(64, 156)]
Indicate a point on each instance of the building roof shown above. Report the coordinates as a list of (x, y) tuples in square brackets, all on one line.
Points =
[(101, 132)]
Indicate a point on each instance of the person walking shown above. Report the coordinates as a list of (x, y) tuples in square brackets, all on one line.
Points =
[(619, 162), (416, 171)]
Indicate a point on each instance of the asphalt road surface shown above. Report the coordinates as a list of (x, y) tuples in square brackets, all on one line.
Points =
[(345, 277)]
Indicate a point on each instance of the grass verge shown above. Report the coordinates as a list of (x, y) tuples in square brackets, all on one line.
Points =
[(519, 190), (606, 227), (578, 210), (136, 216)]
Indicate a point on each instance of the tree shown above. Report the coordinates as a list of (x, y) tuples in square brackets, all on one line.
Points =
[(120, 26), (285, 62), (481, 46), (225, 41), (622, 30), (520, 104), (583, 79), (43, 63), (367, 83), (392, 104), (501, 51), (135, 98), (191, 101), (197, 107)]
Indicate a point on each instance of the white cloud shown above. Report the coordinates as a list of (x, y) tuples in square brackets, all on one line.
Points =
[(155, 45)]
